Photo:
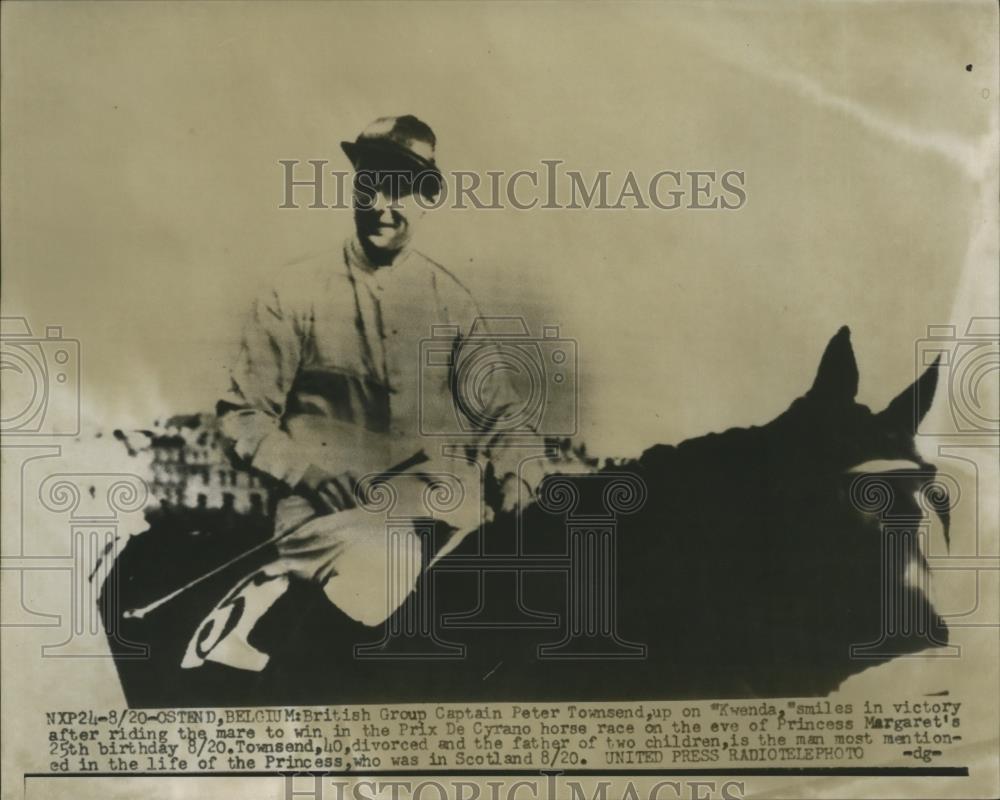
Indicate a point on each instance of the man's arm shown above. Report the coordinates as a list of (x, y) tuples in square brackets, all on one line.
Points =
[(516, 457), (252, 413), (262, 375)]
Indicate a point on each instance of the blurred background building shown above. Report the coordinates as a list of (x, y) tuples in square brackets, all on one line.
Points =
[(189, 467)]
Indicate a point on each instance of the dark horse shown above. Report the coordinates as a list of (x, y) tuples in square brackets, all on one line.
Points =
[(747, 563)]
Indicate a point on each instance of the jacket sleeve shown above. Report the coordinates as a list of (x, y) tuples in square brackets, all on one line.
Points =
[(513, 447), (262, 375)]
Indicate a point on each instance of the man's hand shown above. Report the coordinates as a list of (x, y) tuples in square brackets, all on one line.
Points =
[(329, 492)]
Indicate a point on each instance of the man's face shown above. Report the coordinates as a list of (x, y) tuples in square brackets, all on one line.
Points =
[(386, 209)]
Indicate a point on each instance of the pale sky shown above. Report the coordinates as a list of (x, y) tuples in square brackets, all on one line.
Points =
[(141, 184)]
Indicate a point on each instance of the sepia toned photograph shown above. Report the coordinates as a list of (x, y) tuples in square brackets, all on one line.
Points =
[(567, 401)]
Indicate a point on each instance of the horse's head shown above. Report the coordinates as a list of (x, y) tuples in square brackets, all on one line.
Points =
[(841, 433), (828, 431)]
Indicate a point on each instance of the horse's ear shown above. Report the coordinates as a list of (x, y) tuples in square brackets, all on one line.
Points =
[(837, 376), (909, 407)]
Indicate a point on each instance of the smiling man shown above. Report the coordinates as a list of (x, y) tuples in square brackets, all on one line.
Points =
[(396, 180), (327, 389)]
